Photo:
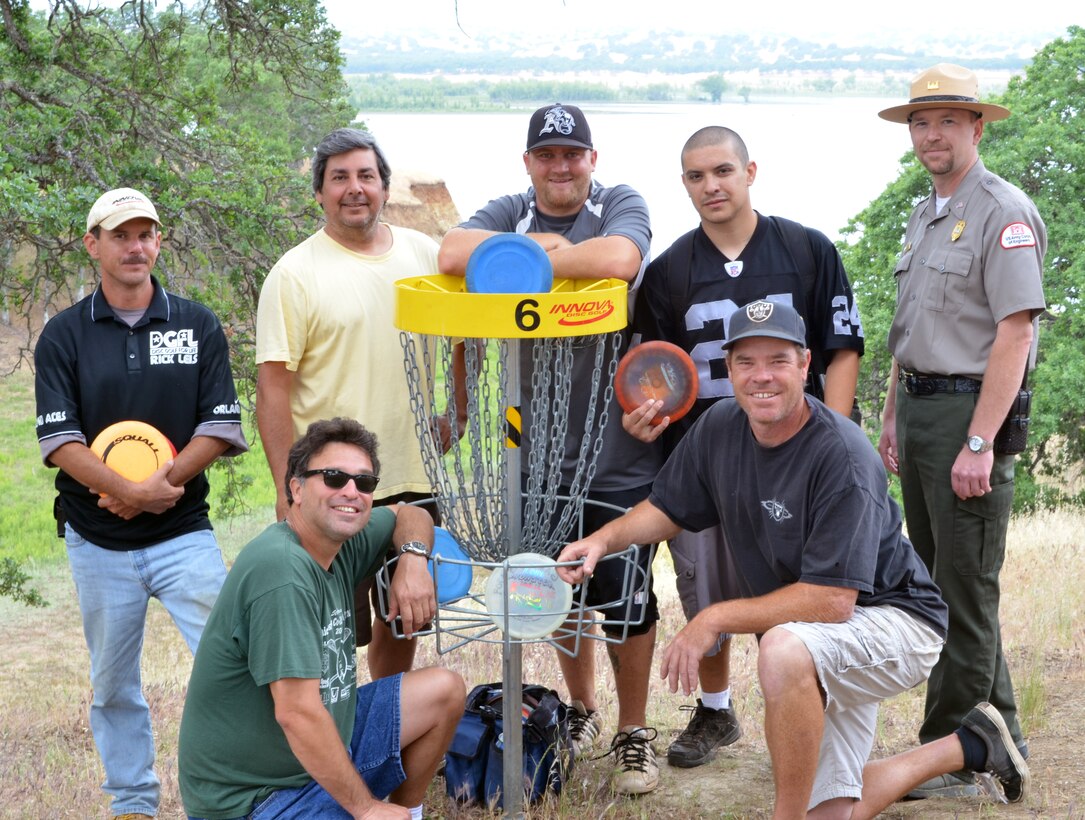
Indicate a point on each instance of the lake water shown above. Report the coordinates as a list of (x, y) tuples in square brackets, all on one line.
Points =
[(819, 161)]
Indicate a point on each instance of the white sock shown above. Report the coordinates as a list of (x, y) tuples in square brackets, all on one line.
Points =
[(416, 812), (717, 700)]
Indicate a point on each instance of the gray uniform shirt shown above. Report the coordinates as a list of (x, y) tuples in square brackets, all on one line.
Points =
[(962, 272)]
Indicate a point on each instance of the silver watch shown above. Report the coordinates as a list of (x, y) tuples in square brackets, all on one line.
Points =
[(978, 444), (415, 548)]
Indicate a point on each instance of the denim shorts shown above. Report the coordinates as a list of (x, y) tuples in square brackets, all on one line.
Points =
[(374, 748), (879, 652)]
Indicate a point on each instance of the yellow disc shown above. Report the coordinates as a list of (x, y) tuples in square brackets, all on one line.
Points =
[(134, 449), (440, 305)]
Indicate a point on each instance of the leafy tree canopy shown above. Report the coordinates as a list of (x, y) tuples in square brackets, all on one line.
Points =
[(209, 108), (1041, 149)]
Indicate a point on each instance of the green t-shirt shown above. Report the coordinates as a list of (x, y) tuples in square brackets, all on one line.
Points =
[(279, 615)]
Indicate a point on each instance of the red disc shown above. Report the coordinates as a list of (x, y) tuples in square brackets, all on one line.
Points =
[(658, 371)]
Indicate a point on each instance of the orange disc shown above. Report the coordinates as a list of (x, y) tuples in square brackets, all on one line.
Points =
[(134, 449), (658, 371)]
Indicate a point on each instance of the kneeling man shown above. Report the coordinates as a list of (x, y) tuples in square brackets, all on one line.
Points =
[(846, 612), (274, 720)]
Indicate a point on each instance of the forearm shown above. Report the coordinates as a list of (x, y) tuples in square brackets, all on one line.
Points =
[(457, 247), (80, 462), (643, 524), (196, 457), (1003, 376), (604, 257), (803, 602), (274, 420), (841, 376), (889, 409), (315, 742)]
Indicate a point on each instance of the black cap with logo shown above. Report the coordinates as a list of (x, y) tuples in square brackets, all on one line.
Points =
[(558, 124)]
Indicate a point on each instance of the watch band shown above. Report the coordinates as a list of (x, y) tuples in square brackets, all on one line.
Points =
[(415, 548), (978, 444)]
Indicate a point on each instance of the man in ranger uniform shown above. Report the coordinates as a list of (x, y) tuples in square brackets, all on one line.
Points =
[(133, 351), (969, 293)]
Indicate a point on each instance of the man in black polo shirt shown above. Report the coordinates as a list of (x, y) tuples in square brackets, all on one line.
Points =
[(132, 351)]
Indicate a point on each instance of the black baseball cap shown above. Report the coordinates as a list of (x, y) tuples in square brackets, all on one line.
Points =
[(763, 318), (558, 124)]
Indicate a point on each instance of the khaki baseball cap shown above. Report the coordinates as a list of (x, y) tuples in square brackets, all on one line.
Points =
[(116, 207)]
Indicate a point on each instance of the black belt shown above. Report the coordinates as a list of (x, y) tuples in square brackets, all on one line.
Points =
[(924, 384)]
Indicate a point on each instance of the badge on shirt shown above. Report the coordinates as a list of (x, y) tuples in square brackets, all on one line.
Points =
[(733, 268), (1017, 235), (958, 229)]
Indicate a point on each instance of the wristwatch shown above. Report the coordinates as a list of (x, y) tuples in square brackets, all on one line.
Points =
[(978, 444), (415, 548)]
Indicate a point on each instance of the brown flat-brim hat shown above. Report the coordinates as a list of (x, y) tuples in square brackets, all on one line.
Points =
[(945, 86)]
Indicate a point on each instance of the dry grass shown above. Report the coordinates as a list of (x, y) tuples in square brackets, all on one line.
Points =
[(49, 767)]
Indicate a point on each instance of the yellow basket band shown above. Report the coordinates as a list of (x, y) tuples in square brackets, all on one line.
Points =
[(439, 305)]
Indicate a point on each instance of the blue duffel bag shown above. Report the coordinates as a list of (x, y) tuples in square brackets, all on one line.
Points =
[(474, 765)]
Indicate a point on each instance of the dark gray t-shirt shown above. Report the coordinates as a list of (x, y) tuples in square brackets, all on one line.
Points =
[(624, 463), (813, 509)]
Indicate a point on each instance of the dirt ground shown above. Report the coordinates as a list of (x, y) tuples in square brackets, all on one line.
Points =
[(49, 767)]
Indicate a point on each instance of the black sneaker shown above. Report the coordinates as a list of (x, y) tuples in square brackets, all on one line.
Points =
[(1004, 760), (708, 729)]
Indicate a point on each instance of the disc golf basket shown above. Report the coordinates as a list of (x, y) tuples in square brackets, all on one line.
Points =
[(496, 499)]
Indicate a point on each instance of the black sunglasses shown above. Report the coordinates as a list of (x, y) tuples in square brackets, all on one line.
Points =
[(337, 479)]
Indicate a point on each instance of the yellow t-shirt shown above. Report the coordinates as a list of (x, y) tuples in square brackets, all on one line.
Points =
[(326, 311)]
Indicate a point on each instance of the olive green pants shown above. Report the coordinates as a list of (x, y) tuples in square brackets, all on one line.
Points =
[(963, 544)]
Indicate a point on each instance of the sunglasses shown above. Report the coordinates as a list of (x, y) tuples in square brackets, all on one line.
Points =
[(337, 479)]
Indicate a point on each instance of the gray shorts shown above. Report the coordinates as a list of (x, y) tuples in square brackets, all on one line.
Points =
[(704, 572), (879, 652)]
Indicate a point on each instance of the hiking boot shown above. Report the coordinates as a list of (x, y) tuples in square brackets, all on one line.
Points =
[(1004, 760), (955, 784), (133, 816), (708, 729), (584, 727), (636, 771)]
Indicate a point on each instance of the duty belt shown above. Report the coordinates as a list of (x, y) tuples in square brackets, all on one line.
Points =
[(924, 384)]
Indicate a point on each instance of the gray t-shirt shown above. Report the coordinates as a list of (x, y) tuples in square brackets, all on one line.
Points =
[(624, 463), (813, 509)]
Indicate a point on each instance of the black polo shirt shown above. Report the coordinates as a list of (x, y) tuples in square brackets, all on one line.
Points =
[(172, 370)]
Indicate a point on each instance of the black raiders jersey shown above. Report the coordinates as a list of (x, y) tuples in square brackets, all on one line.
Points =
[(690, 291)]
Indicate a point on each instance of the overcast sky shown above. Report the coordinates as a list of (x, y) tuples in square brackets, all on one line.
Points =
[(841, 21)]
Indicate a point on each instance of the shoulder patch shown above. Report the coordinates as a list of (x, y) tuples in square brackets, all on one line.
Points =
[(1017, 235)]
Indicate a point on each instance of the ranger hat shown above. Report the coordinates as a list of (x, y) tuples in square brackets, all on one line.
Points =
[(945, 86), (558, 124), (762, 318), (116, 207)]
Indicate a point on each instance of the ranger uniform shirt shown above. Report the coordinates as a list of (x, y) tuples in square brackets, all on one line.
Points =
[(962, 272), (171, 370)]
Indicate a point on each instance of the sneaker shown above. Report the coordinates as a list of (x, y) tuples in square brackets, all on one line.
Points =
[(1004, 760), (584, 727), (708, 729), (636, 771), (955, 784)]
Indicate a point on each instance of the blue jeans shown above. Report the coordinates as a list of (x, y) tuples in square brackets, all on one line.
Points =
[(185, 574), (374, 749)]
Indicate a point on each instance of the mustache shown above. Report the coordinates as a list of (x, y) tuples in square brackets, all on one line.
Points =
[(138, 259)]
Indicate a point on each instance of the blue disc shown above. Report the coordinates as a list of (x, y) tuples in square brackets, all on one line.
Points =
[(509, 263), (453, 580)]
